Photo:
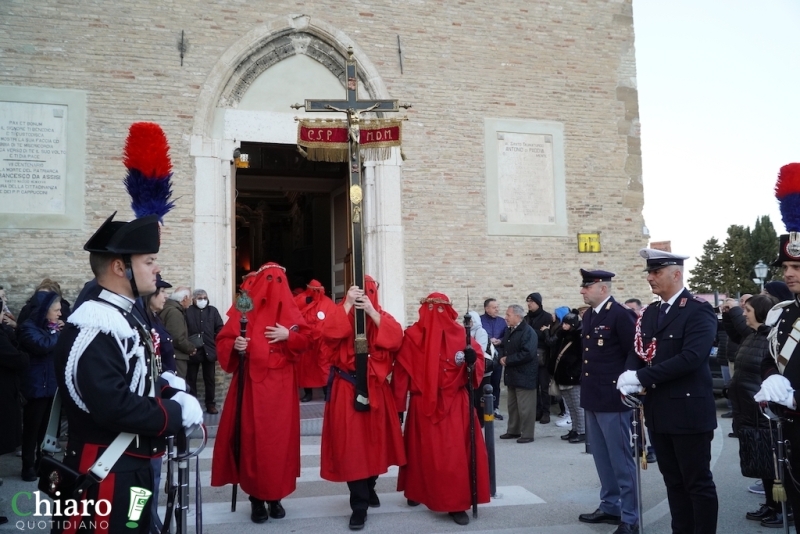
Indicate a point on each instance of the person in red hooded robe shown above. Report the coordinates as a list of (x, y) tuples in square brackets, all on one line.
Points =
[(432, 366), (314, 365), (359, 446), (277, 334)]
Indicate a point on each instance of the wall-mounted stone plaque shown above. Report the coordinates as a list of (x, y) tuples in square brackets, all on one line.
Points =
[(525, 177), (42, 154)]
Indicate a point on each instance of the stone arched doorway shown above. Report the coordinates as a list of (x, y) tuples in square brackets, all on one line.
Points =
[(246, 99)]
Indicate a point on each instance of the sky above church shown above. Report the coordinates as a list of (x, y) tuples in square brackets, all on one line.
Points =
[(719, 104)]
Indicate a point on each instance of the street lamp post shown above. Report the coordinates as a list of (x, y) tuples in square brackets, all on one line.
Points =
[(761, 269)]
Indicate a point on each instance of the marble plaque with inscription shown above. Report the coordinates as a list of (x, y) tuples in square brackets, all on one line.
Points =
[(42, 158), (33, 158), (525, 178)]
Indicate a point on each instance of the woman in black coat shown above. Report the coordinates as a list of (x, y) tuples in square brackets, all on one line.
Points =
[(744, 384), (38, 336), (566, 371)]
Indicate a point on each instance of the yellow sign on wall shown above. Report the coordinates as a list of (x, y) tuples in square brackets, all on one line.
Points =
[(589, 242)]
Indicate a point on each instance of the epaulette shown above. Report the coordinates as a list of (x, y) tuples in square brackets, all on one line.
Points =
[(775, 313), (103, 317)]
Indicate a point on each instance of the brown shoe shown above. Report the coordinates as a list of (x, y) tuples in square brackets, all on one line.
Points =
[(212, 409)]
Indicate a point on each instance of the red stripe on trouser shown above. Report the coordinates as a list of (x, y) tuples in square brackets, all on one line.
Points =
[(106, 492), (88, 457)]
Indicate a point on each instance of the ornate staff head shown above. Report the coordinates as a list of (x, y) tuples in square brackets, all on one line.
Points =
[(244, 303)]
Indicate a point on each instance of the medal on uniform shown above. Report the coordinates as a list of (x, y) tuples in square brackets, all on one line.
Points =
[(599, 342)]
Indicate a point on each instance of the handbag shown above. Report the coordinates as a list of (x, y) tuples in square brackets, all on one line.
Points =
[(196, 340), (755, 451), (540, 357), (553, 388)]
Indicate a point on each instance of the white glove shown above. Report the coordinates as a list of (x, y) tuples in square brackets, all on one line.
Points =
[(776, 388), (191, 412), (630, 390), (788, 401), (174, 381), (628, 378)]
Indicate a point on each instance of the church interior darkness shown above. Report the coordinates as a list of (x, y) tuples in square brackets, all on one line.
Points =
[(285, 214)]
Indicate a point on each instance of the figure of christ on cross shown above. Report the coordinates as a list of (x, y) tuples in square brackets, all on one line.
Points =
[(353, 107)]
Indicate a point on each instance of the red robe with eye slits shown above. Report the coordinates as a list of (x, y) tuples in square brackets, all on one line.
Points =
[(359, 445), (437, 426), (270, 430), (314, 365)]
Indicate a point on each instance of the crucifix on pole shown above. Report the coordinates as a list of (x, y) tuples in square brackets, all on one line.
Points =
[(353, 108)]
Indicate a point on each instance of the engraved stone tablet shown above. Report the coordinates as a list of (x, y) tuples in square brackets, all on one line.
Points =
[(525, 179), (42, 157), (33, 158)]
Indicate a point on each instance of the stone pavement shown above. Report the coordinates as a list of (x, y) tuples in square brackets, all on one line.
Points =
[(542, 487)]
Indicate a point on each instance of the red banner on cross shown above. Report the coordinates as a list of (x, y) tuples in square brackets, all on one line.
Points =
[(327, 140)]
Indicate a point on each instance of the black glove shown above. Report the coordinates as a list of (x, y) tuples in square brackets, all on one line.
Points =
[(470, 356)]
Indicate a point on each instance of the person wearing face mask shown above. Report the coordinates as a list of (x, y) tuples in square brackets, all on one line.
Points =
[(204, 321)]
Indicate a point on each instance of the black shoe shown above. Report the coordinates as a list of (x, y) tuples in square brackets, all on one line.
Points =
[(545, 419), (578, 438), (625, 528), (651, 458), (569, 435), (461, 518), (357, 519), (29, 474), (763, 512), (525, 440), (276, 510), (3, 520), (412, 503), (307, 398), (732, 435), (727, 415), (498, 415), (374, 501), (776, 521), (258, 511), (510, 436), (599, 516)]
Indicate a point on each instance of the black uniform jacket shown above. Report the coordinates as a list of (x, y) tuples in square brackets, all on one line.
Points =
[(103, 382), (790, 314), (680, 395), (607, 340)]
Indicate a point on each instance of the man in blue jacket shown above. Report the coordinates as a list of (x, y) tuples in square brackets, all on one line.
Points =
[(607, 336), (670, 361)]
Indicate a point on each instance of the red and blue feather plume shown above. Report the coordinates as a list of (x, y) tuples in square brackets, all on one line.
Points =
[(149, 178), (787, 191)]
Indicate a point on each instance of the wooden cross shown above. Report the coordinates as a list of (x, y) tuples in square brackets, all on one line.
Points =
[(353, 107)]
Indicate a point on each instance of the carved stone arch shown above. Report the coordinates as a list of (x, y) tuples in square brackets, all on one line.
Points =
[(266, 45), (275, 51)]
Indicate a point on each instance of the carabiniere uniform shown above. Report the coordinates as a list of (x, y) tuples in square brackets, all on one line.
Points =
[(785, 350), (107, 372)]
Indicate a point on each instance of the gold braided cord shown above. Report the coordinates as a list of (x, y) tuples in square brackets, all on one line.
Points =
[(435, 301)]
